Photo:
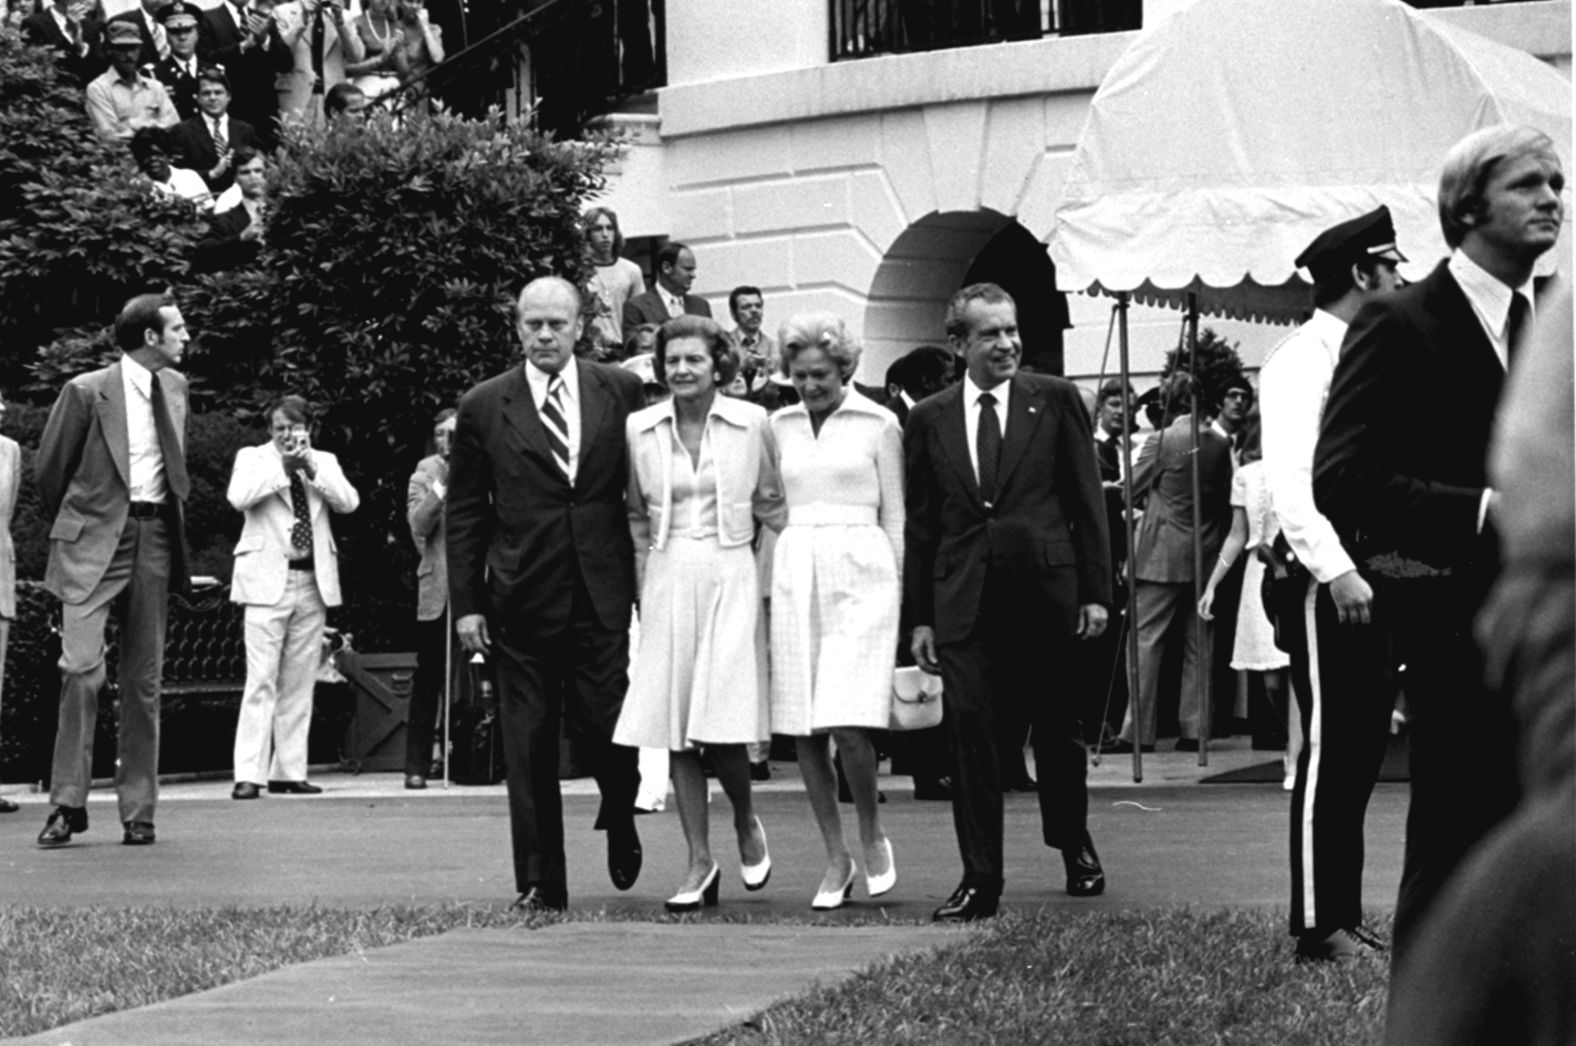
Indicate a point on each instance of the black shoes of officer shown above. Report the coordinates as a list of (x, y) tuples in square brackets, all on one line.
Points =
[(1342, 945), (540, 898), (7, 806), (967, 904), (1085, 877), (63, 822), (244, 790), (294, 788)]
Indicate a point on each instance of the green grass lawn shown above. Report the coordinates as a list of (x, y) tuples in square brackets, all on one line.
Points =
[(1095, 978)]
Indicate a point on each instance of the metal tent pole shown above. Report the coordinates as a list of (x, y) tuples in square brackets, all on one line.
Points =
[(1201, 681), (1133, 696)]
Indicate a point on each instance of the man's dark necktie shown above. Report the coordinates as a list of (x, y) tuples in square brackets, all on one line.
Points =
[(169, 446), (988, 445), (1515, 325), (317, 50), (301, 529), (554, 423)]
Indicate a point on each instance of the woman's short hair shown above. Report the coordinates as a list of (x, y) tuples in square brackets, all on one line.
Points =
[(819, 330), (1470, 164), (723, 359)]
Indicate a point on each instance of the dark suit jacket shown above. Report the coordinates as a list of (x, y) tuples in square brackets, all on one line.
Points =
[(181, 86), (40, 29), (83, 472), (1046, 536), (222, 247), (150, 48), (1399, 468), (193, 147), (513, 518), (251, 73), (1163, 488), (649, 308)]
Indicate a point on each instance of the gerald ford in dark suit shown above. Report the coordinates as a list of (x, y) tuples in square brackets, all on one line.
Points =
[(1006, 565), (542, 577)]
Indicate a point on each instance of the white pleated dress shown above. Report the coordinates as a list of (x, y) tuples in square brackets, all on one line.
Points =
[(836, 573), (699, 674)]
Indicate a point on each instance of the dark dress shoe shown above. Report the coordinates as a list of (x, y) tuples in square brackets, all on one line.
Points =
[(967, 904), (927, 789), (63, 821), (415, 782), (1085, 877), (8, 807), (1343, 945), (1023, 783), (1187, 744), (623, 855), (294, 788), (244, 790), (543, 897), (138, 833), (1120, 747), (761, 771)]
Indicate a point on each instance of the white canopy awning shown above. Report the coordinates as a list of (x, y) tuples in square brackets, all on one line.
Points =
[(1233, 132)]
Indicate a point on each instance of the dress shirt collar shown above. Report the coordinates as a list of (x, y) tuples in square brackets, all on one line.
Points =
[(972, 394), (1489, 298), (140, 377), (674, 302), (539, 378)]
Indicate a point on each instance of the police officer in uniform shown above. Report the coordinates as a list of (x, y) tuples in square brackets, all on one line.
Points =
[(178, 70), (1322, 605)]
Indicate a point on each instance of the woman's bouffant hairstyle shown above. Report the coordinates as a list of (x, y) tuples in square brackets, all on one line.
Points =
[(723, 359), (819, 330)]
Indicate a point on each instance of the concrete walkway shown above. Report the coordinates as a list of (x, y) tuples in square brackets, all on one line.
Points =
[(368, 842)]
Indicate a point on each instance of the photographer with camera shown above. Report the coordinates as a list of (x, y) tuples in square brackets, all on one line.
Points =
[(287, 576), (321, 43)]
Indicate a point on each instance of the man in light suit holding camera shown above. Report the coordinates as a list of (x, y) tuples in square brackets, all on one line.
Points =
[(287, 575)]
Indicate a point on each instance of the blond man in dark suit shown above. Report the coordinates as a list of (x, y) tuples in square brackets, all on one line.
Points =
[(111, 472)]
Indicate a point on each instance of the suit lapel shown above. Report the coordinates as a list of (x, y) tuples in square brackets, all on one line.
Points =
[(519, 412), (953, 431), (1026, 408), (111, 407), (1458, 323), (595, 403)]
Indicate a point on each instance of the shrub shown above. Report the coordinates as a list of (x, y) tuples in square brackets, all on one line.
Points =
[(78, 235), (384, 291), (1218, 365)]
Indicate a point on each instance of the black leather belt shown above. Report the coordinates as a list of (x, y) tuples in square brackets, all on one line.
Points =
[(302, 564), (146, 510)]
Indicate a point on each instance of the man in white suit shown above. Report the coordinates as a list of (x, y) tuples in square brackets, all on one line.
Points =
[(287, 575)]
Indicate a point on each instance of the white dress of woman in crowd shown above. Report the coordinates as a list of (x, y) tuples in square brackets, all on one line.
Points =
[(836, 590), (703, 470), (1253, 523)]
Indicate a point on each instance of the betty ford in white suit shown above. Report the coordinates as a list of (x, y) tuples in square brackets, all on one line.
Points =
[(286, 588)]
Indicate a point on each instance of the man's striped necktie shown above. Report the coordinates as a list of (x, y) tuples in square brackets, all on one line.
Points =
[(554, 423)]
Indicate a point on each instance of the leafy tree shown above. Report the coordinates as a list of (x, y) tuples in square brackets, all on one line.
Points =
[(79, 235), (1219, 366)]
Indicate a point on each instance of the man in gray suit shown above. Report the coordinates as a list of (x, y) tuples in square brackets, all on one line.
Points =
[(424, 498), (111, 472), (670, 298)]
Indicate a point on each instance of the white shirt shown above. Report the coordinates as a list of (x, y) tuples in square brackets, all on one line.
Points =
[(1490, 301), (971, 415), (220, 124), (570, 397), (1293, 385), (142, 435)]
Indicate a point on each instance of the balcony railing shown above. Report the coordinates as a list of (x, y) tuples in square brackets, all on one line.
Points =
[(564, 62), (862, 28)]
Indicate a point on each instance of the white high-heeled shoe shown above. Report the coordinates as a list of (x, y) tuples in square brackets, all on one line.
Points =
[(756, 875), (876, 885), (691, 900), (831, 900)]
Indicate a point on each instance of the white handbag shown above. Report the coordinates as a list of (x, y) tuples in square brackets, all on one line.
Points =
[(916, 700)]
